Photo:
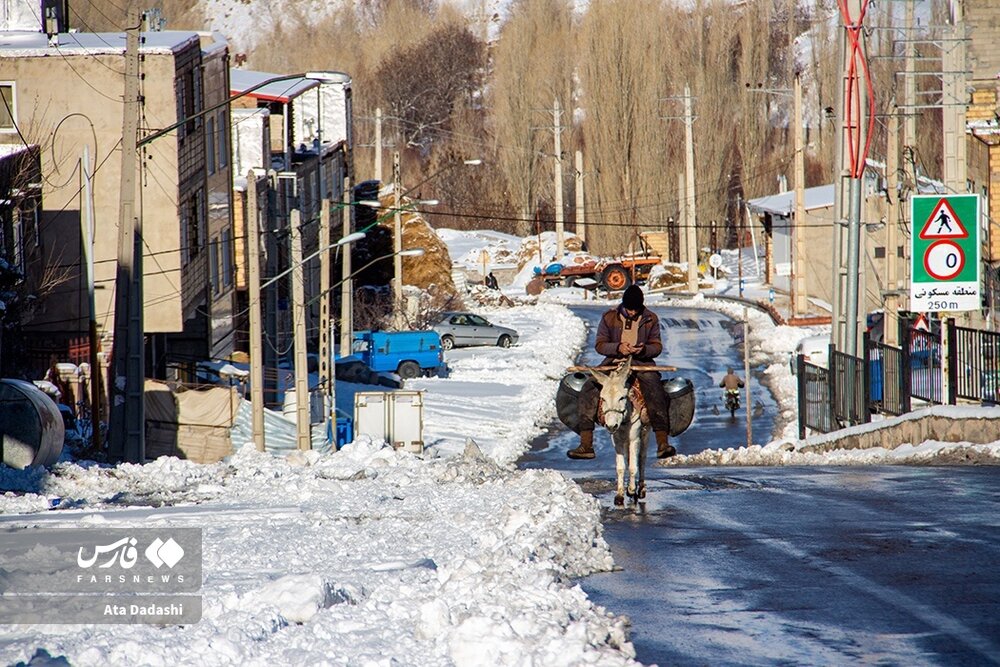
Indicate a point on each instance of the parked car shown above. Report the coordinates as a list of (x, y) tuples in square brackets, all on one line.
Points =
[(816, 350), (458, 329)]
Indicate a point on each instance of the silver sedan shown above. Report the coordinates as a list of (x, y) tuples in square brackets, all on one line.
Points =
[(458, 329)]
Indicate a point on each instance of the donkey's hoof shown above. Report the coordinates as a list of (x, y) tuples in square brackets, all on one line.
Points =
[(642, 491), (619, 501)]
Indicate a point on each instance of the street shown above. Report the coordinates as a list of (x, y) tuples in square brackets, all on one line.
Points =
[(885, 565)]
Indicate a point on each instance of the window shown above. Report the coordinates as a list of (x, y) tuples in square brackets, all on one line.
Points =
[(879, 253), (227, 257), (8, 115), (223, 140), (213, 266), (193, 221), (210, 146)]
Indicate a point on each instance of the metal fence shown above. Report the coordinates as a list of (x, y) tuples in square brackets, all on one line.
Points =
[(924, 351), (894, 380), (814, 398), (889, 383), (975, 372)]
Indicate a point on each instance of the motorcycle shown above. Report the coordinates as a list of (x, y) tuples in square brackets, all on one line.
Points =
[(732, 401)]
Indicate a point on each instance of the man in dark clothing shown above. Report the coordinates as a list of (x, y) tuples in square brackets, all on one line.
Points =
[(491, 281), (630, 330)]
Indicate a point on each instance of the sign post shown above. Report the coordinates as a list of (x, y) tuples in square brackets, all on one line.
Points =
[(945, 268)]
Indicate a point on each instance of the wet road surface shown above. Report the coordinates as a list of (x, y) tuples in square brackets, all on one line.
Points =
[(746, 566)]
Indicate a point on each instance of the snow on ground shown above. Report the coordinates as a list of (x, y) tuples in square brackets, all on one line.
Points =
[(366, 555), (373, 557)]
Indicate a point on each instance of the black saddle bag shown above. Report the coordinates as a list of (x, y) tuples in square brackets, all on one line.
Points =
[(679, 391)]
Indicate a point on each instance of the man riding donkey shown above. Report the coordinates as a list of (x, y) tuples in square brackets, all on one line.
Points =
[(630, 330)]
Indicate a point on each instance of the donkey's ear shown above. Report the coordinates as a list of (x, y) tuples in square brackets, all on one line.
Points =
[(599, 377), (627, 368)]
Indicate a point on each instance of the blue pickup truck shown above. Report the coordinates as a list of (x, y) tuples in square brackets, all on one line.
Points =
[(409, 354)]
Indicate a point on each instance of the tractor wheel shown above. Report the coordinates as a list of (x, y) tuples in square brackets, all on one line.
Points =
[(615, 278), (408, 370)]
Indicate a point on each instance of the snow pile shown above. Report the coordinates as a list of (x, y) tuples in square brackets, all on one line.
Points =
[(366, 555)]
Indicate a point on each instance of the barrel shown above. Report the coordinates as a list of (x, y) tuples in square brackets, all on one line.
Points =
[(680, 403), (31, 426), (567, 396)]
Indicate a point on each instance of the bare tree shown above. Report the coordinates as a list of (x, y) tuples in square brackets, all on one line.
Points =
[(532, 66), (622, 59), (423, 83)]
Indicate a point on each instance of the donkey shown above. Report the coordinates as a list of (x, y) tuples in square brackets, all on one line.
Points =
[(623, 413)]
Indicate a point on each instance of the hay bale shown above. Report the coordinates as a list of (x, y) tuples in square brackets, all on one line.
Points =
[(432, 270)]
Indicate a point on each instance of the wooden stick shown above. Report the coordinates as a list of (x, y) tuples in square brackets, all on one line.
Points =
[(611, 368)]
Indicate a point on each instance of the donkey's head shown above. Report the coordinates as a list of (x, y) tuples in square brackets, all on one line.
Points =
[(615, 406)]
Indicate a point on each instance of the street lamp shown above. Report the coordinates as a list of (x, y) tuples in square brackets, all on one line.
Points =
[(127, 405)]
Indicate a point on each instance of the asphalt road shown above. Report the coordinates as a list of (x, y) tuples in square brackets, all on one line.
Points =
[(798, 566)]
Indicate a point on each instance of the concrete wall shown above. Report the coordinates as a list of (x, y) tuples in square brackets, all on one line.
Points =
[(915, 428)]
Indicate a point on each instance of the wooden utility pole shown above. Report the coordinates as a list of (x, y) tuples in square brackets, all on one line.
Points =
[(746, 373), (128, 413), (691, 215), (87, 236), (325, 297), (397, 247), (378, 144), (302, 417), (346, 282), (800, 303), (890, 326), (557, 168), (581, 225), (256, 335), (681, 224)]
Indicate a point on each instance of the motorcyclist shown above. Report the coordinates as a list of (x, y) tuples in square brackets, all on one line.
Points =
[(731, 382), (629, 330)]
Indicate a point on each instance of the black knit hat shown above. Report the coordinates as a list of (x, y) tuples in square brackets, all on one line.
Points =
[(632, 298)]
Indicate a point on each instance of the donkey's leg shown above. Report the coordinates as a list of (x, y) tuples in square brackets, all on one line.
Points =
[(634, 431), (620, 446), (643, 443)]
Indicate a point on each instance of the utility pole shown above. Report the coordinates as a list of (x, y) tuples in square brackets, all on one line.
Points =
[(302, 417), (746, 372), (800, 303), (256, 335), (558, 201), (87, 235), (691, 214), (378, 144), (581, 225), (397, 247), (128, 415), (681, 225), (852, 104), (325, 297), (890, 326), (346, 282), (953, 101)]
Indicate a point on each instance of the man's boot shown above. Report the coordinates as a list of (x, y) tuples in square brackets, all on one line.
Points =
[(586, 448), (664, 449)]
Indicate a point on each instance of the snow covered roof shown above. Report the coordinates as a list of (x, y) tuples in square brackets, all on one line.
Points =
[(33, 44), (783, 203), (281, 91)]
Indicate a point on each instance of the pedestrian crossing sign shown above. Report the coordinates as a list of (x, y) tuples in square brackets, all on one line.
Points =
[(945, 265)]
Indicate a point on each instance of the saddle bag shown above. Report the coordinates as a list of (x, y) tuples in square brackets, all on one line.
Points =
[(680, 403), (567, 397), (679, 391)]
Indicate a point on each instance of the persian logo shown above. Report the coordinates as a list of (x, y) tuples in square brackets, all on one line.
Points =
[(159, 553), (123, 551)]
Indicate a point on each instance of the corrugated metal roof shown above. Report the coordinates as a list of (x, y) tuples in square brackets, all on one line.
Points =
[(26, 44), (241, 80), (783, 203)]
